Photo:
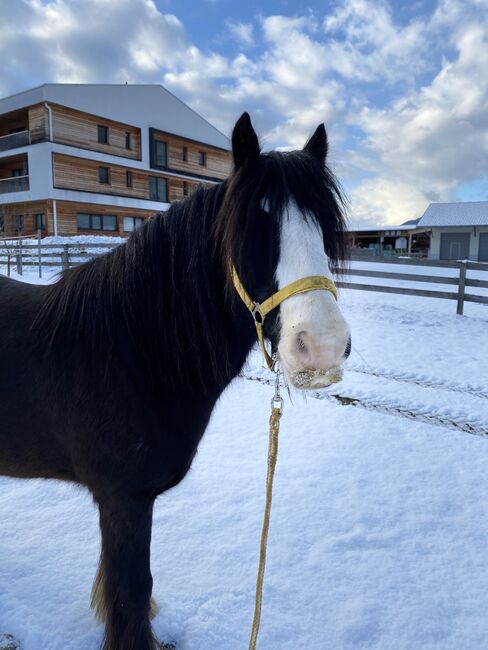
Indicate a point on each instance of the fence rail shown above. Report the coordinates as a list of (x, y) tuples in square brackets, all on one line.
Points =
[(41, 255), (461, 281)]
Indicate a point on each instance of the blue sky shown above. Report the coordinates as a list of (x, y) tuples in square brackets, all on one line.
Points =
[(401, 86)]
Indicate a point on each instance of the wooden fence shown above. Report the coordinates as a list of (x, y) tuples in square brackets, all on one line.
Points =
[(23, 254), (16, 253), (460, 283)]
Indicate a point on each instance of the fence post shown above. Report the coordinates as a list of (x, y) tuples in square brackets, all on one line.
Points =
[(39, 256), (19, 257), (65, 257), (461, 286)]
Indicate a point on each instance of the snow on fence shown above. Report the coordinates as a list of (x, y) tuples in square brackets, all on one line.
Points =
[(16, 253), (22, 254)]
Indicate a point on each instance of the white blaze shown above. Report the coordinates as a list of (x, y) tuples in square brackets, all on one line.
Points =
[(314, 333)]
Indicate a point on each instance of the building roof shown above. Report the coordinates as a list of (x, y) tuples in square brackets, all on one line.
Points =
[(455, 214), (134, 104), (402, 227)]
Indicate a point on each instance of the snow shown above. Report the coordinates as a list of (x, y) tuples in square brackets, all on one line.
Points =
[(379, 525)]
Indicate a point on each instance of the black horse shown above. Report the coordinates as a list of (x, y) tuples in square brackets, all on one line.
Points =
[(109, 376)]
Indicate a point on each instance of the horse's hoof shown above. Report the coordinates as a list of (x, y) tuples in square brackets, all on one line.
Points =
[(8, 642)]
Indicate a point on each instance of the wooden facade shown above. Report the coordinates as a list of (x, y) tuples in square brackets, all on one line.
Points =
[(82, 174), (25, 213), (12, 215), (81, 130), (39, 123), (67, 212), (184, 156)]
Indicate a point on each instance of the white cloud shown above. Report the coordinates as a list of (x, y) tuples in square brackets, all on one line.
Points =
[(433, 139), (242, 32), (414, 95)]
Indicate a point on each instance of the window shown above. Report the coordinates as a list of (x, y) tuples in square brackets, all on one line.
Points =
[(2, 223), (184, 156), (109, 222), (102, 134), (40, 221), (18, 172), (96, 221), (159, 153), (128, 178), (19, 223), (185, 188), (202, 158), (104, 175), (158, 189), (132, 223), (83, 221), (127, 140)]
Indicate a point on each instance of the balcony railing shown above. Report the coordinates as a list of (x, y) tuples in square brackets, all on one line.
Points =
[(14, 184), (13, 140)]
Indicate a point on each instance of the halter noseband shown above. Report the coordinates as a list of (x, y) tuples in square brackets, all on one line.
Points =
[(259, 311)]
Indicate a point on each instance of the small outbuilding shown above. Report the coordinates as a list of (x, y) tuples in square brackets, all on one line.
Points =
[(458, 230), (390, 241)]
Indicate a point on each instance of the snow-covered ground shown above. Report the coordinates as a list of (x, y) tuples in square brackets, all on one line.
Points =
[(379, 526)]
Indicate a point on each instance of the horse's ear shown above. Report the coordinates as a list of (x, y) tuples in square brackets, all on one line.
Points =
[(317, 145), (245, 143)]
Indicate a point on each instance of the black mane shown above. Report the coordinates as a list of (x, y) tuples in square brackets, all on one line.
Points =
[(158, 294)]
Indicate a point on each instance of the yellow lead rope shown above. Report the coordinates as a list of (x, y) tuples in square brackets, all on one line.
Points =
[(274, 431), (259, 312)]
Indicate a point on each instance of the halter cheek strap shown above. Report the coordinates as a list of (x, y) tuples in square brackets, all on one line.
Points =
[(259, 311)]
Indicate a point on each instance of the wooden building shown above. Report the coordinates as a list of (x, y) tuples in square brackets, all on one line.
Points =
[(99, 159)]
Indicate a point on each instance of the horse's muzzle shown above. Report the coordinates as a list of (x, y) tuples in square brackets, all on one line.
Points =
[(315, 379)]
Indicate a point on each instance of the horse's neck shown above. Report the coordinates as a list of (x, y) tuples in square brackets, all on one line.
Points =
[(206, 339)]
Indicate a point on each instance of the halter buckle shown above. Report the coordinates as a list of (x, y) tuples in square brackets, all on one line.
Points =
[(257, 314)]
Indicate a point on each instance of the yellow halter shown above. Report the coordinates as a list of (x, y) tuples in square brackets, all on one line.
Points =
[(259, 311)]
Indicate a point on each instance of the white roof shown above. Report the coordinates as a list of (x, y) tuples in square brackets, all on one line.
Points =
[(473, 213), (410, 226), (134, 104)]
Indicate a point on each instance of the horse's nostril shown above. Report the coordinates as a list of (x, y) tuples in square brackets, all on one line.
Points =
[(300, 343), (347, 351)]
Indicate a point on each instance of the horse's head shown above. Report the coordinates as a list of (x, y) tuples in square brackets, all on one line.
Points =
[(282, 220)]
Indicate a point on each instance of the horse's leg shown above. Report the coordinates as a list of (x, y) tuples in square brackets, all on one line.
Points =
[(98, 598), (122, 588)]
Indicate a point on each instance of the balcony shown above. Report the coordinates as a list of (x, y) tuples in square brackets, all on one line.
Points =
[(14, 174), (14, 140), (14, 184)]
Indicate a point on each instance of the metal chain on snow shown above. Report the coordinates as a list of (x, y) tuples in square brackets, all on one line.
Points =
[(274, 430)]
